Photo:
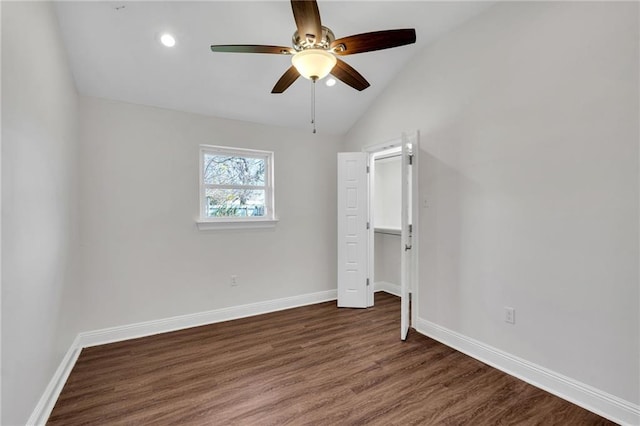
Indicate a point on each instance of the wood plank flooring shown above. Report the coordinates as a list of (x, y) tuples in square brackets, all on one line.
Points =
[(315, 365)]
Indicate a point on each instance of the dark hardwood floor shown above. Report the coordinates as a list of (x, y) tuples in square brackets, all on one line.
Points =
[(315, 365)]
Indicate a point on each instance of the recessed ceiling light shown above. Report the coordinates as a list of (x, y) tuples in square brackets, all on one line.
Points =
[(331, 82), (168, 40)]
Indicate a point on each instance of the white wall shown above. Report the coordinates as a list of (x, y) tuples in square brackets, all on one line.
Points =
[(529, 168), (143, 257), (386, 214), (387, 258), (387, 193), (39, 204)]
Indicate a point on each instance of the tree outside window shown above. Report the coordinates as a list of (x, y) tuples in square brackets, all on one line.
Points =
[(235, 183)]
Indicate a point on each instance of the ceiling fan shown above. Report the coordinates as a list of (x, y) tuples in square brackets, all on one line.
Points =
[(315, 48)]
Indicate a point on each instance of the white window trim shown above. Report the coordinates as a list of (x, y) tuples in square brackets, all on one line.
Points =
[(211, 225), (268, 221)]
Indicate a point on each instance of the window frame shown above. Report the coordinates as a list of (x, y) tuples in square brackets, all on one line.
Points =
[(268, 220)]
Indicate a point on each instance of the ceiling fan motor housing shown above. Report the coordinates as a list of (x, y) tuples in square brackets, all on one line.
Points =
[(308, 41)]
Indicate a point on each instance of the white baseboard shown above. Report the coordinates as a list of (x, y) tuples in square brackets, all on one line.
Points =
[(148, 328), (115, 334), (588, 397), (48, 400), (388, 287)]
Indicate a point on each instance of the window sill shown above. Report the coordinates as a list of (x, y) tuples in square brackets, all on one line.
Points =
[(211, 225)]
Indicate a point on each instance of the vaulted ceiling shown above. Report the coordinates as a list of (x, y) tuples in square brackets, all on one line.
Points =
[(115, 53)]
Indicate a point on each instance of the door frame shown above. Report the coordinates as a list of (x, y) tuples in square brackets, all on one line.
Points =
[(372, 150)]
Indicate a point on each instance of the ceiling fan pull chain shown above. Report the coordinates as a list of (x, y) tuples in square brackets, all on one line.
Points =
[(313, 104)]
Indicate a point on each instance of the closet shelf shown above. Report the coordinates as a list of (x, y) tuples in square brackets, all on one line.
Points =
[(390, 231)]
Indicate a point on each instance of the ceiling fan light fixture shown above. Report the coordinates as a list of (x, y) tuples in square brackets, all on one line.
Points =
[(168, 40), (314, 64)]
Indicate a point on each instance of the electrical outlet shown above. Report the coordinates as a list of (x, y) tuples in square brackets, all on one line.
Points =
[(234, 280), (509, 315)]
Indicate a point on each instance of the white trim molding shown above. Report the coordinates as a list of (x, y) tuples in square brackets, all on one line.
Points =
[(149, 328), (588, 397), (215, 225), (86, 339), (48, 400), (387, 287)]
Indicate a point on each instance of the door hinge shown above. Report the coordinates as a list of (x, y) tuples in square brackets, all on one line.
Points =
[(410, 229), (410, 159), (367, 169), (368, 225), (367, 282)]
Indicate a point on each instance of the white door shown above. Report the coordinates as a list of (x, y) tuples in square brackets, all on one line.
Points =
[(353, 237), (405, 238)]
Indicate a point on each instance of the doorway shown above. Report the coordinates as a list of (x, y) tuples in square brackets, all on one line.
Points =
[(386, 211), (382, 256)]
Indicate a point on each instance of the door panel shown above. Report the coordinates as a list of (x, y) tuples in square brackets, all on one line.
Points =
[(353, 236), (405, 237)]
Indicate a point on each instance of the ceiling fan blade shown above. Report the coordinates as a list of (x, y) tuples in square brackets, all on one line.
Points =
[(307, 17), (376, 40), (252, 48), (286, 80), (348, 75)]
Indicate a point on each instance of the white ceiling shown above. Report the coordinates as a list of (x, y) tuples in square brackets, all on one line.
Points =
[(115, 53)]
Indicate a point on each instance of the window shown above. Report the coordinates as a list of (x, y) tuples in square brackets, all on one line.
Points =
[(236, 188)]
